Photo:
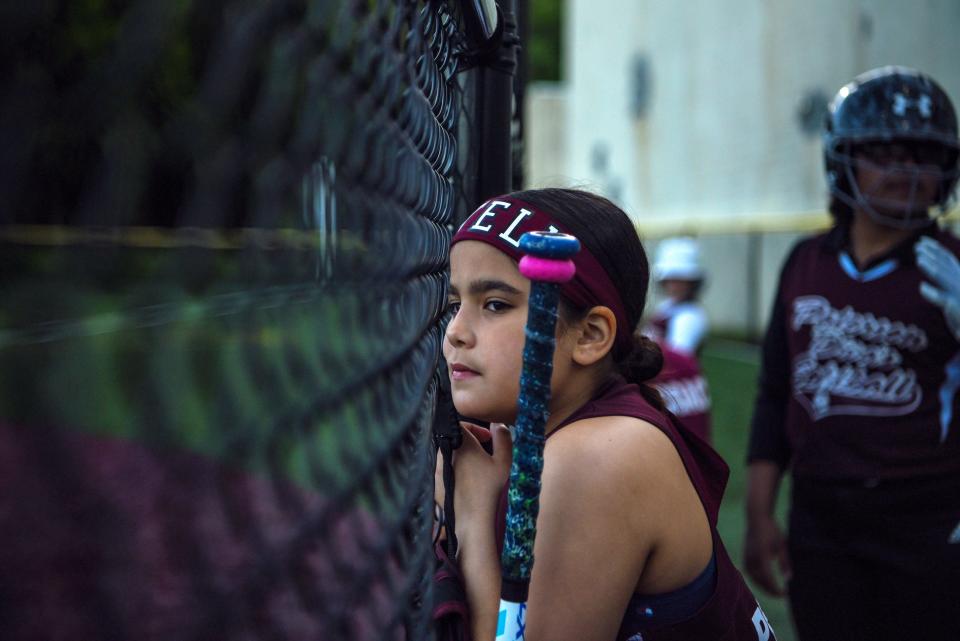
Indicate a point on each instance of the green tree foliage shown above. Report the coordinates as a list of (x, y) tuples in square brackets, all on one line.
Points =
[(546, 39)]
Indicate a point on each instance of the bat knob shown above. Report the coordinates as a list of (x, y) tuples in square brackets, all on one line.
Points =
[(548, 256)]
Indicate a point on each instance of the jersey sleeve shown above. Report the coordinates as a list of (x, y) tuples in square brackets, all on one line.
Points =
[(768, 437), (686, 329)]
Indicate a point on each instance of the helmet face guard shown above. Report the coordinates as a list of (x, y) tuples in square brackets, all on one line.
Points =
[(902, 109), (912, 208)]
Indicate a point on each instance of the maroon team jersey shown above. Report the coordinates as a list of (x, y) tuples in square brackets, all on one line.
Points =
[(731, 612), (684, 390), (874, 371), (656, 327)]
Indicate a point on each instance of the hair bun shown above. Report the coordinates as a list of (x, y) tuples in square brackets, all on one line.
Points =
[(644, 361)]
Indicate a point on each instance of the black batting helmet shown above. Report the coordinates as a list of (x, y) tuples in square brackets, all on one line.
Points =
[(890, 105)]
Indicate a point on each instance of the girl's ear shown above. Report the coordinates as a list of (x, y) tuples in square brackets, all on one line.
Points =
[(596, 334)]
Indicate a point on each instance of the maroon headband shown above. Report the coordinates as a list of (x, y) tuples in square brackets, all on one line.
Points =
[(501, 221)]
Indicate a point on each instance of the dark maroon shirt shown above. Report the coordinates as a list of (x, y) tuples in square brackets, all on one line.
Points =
[(860, 373), (684, 390), (731, 613)]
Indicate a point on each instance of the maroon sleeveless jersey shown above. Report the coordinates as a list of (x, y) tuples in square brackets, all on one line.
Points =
[(731, 613)]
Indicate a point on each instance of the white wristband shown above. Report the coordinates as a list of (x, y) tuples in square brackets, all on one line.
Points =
[(512, 621)]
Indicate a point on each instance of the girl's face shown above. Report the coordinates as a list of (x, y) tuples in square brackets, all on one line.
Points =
[(678, 290), (483, 345), (899, 178)]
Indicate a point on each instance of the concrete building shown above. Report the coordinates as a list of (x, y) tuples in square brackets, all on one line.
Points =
[(703, 117)]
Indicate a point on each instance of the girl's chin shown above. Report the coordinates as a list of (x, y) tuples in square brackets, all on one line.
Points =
[(483, 412)]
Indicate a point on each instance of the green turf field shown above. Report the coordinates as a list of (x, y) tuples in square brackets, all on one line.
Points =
[(731, 370)]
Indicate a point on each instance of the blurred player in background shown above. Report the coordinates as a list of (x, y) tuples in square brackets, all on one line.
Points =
[(684, 390), (679, 321), (679, 325), (859, 383)]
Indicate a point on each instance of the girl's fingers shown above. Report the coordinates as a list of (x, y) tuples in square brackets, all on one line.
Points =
[(482, 434), (502, 445)]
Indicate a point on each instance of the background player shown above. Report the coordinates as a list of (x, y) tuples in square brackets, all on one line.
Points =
[(684, 389), (679, 325), (859, 381), (679, 321)]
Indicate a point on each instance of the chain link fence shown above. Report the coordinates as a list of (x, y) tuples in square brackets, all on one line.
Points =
[(224, 229)]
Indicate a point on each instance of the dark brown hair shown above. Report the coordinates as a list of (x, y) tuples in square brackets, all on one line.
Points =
[(608, 233)]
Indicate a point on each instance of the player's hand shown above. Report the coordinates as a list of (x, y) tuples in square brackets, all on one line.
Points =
[(943, 271), (480, 476), (765, 545)]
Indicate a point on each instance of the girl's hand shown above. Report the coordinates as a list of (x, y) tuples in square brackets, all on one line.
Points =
[(485, 473), (480, 477)]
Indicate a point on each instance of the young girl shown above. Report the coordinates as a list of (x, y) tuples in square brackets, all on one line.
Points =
[(679, 325), (680, 320), (626, 544)]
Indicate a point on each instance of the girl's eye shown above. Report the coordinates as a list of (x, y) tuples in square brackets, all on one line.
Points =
[(453, 307), (497, 306)]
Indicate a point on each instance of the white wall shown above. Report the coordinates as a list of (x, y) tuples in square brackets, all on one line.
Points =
[(545, 124), (719, 148), (720, 136)]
